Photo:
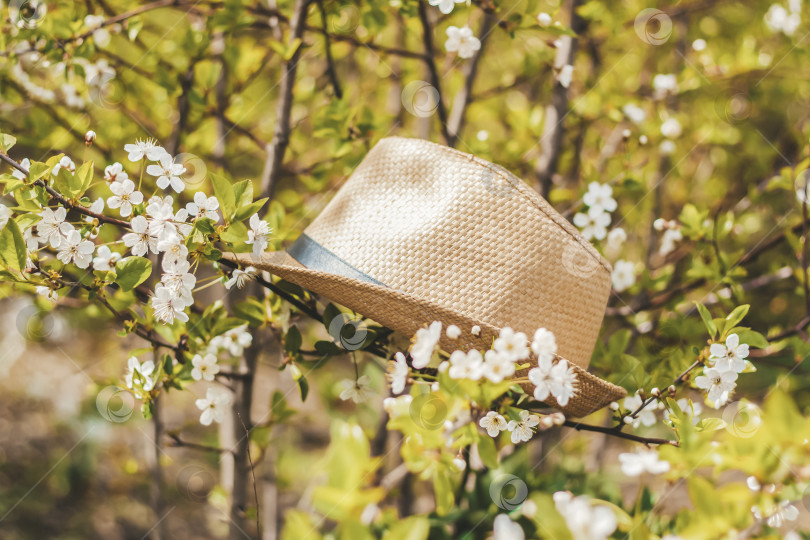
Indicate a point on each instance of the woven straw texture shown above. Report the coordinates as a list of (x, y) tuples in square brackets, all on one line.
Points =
[(460, 240)]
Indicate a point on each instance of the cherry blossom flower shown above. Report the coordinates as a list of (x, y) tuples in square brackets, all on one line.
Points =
[(25, 164), (5, 215), (623, 276), (505, 529), (475, 330), (557, 381), (137, 376), (168, 306), (204, 367), (637, 463), (544, 19), (544, 346), (64, 163), (634, 113), (213, 406), (599, 196), (718, 384), (668, 241), (52, 227), (139, 240), (161, 217), (168, 173), (203, 207), (398, 372), (663, 84), (731, 356), (76, 250), (512, 345), (494, 423), (647, 415), (592, 225), (105, 259), (144, 148), (585, 520), (778, 19), (522, 430), (258, 234), (357, 391), (424, 342), (445, 6), (239, 277), (101, 35), (115, 173), (671, 128), (497, 367), (469, 365), (462, 40), (47, 292), (565, 75), (124, 197), (173, 248)]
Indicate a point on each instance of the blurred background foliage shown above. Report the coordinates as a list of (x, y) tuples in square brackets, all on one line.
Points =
[(203, 77)]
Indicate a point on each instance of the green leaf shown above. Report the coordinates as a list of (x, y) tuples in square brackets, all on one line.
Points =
[(707, 319), (224, 193), (244, 212), (81, 180), (737, 315), (293, 340), (235, 233), (132, 271), (12, 246), (412, 528), (488, 451), (6, 142), (303, 387), (752, 338), (243, 193), (252, 311), (443, 488), (37, 170)]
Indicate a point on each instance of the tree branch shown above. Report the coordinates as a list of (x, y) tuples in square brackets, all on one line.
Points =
[(433, 72)]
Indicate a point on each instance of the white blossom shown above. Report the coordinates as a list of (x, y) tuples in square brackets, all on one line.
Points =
[(599, 198), (144, 148), (178, 278), (124, 197), (512, 345), (204, 367), (461, 40), (115, 173), (47, 292), (469, 365), (671, 128), (139, 240), (585, 520), (258, 234), (497, 366), (168, 173), (398, 372), (718, 384), (138, 375), (105, 259), (5, 215), (424, 342), (445, 6), (544, 19), (623, 276), (634, 113), (505, 529), (592, 225), (357, 391), (493, 422), (566, 75), (168, 306), (239, 277), (453, 331), (74, 249), (731, 356), (544, 346), (522, 430), (213, 406), (52, 227), (637, 463), (203, 207), (778, 19), (647, 415), (668, 241), (25, 164), (663, 84), (64, 163), (173, 248), (234, 341)]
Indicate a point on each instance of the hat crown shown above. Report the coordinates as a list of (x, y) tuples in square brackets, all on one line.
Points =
[(442, 225)]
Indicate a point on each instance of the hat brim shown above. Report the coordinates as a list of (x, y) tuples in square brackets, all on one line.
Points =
[(406, 313)]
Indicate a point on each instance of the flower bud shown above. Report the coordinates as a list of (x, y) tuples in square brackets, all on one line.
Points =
[(672, 390), (90, 137), (655, 392)]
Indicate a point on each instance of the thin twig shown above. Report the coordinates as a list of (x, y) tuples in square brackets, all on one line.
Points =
[(615, 433), (252, 474), (330, 62), (433, 72)]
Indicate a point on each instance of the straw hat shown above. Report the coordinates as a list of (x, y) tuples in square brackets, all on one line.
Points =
[(421, 232)]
